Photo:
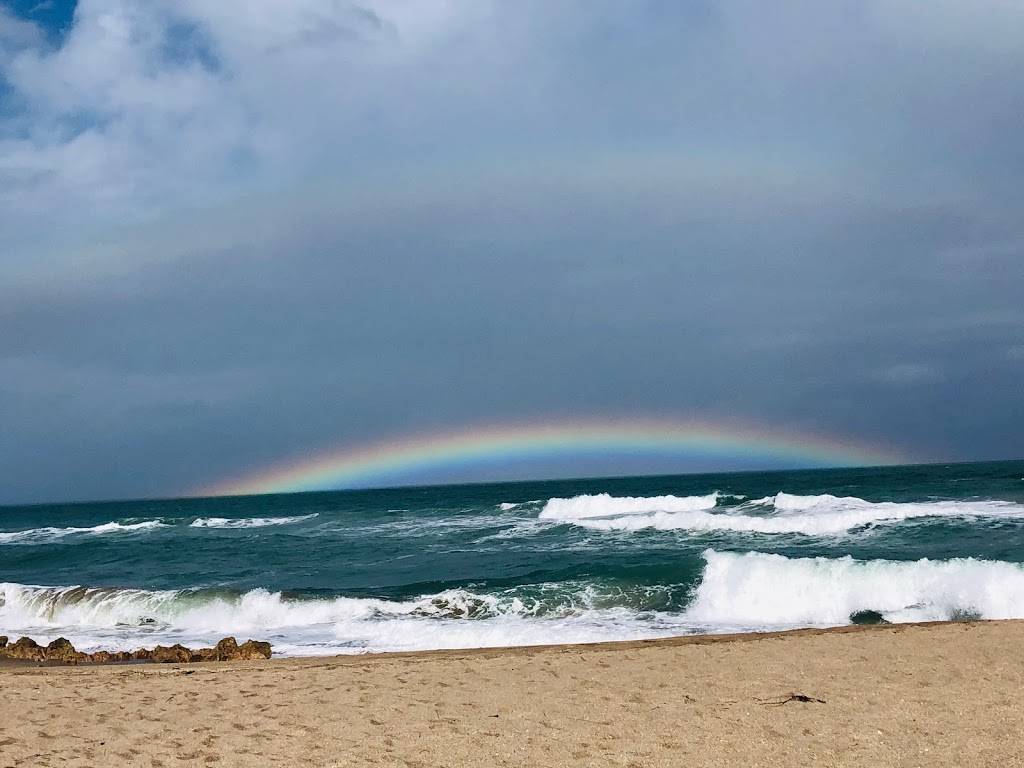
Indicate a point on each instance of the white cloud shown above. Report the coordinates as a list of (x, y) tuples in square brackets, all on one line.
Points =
[(146, 106)]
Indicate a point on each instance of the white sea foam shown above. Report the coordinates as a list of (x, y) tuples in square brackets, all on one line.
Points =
[(37, 535), (783, 513), (248, 522), (760, 591)]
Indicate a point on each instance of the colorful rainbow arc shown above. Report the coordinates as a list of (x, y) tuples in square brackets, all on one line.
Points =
[(388, 461)]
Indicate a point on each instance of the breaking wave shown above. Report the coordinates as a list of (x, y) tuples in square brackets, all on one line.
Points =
[(760, 591), (248, 522), (557, 612), (782, 513), (39, 535)]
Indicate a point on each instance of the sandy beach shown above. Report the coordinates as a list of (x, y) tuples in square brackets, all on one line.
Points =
[(935, 695)]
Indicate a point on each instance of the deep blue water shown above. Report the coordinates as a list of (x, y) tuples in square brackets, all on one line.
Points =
[(510, 563)]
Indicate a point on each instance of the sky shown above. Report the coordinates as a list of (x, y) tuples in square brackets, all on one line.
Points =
[(237, 233)]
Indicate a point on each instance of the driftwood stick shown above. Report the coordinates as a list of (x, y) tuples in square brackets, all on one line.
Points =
[(778, 701)]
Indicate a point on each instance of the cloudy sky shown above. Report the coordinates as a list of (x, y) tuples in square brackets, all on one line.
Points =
[(236, 232)]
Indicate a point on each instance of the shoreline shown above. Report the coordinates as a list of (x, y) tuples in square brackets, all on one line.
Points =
[(603, 645), (931, 694)]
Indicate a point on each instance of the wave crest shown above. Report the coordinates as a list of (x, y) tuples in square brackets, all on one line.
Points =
[(783, 513), (38, 535)]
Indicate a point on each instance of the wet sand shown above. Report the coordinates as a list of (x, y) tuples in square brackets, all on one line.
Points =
[(921, 695)]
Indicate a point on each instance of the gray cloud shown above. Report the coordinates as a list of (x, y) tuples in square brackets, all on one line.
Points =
[(238, 233)]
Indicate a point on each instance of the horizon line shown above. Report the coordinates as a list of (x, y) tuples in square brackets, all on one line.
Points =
[(580, 478)]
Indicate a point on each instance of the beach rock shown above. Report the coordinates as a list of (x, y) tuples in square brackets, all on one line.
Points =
[(108, 657), (25, 648), (62, 650), (227, 649), (251, 650), (175, 654), (204, 654)]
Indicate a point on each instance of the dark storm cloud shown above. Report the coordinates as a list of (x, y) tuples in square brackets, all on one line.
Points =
[(470, 213)]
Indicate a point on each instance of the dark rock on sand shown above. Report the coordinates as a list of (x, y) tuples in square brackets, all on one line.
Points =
[(867, 617)]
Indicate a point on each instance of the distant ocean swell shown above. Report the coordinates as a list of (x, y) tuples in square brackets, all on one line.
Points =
[(49, 533), (735, 592), (782, 513)]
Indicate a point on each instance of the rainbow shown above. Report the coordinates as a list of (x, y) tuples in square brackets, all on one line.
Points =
[(388, 462)]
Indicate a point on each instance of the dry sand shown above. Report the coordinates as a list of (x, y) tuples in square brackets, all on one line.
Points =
[(928, 695)]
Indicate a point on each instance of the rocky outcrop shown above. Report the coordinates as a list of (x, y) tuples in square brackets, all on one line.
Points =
[(61, 651), (106, 657)]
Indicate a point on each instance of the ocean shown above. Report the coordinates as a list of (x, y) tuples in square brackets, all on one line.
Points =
[(521, 563)]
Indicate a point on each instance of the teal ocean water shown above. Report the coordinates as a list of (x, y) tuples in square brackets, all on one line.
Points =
[(521, 563)]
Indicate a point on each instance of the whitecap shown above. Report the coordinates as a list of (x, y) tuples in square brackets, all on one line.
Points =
[(248, 522), (604, 505)]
